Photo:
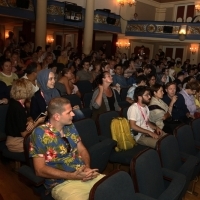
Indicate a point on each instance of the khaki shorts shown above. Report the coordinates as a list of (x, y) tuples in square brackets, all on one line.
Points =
[(149, 141), (15, 144), (74, 189)]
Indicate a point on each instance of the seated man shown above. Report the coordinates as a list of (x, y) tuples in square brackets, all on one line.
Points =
[(179, 113), (85, 74), (145, 133), (60, 156), (140, 81), (119, 80)]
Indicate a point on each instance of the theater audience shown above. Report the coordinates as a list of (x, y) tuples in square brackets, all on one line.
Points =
[(103, 98), (179, 81), (179, 113), (18, 122), (4, 93), (73, 87), (118, 79), (31, 74), (105, 66), (188, 94), (160, 112), (41, 98), (63, 83), (84, 74), (145, 132), (6, 75), (151, 80), (96, 69), (140, 81)]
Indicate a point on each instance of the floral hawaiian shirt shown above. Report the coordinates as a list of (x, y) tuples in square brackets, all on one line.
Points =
[(45, 141)]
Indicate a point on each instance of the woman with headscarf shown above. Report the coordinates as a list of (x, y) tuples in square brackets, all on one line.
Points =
[(41, 98), (47, 91)]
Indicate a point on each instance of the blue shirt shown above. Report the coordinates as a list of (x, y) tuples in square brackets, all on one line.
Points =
[(120, 80), (131, 91), (46, 142)]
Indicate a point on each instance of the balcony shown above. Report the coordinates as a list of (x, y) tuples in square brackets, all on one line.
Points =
[(55, 15), (162, 30)]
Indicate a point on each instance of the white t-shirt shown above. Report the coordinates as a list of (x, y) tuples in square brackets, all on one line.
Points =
[(135, 113)]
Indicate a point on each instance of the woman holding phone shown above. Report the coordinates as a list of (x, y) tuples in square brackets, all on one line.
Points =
[(18, 122), (41, 98), (47, 91)]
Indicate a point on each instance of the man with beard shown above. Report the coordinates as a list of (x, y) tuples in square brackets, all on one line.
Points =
[(145, 133)]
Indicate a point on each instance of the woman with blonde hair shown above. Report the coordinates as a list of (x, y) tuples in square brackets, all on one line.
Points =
[(18, 122)]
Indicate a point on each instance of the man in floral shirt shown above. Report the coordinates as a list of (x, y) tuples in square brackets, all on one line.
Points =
[(59, 155)]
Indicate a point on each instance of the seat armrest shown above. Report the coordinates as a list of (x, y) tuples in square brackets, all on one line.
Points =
[(28, 174), (189, 165), (184, 156), (176, 185), (102, 138)]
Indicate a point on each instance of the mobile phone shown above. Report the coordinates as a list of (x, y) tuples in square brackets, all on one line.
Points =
[(40, 115)]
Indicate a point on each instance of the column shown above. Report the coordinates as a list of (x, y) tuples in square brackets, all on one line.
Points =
[(88, 30), (127, 13), (41, 23), (160, 14)]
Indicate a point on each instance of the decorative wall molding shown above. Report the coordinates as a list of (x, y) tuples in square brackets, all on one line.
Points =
[(103, 20), (149, 28), (12, 3), (55, 10)]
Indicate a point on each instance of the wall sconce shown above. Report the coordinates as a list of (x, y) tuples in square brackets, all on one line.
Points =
[(121, 2), (50, 40), (7, 33), (119, 45), (125, 45), (129, 2), (182, 32), (197, 7), (193, 50)]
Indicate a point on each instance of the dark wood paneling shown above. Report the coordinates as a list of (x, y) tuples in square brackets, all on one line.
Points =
[(179, 53), (190, 11), (180, 12), (59, 40), (169, 52)]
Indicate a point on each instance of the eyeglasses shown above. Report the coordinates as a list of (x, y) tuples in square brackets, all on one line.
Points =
[(67, 144)]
